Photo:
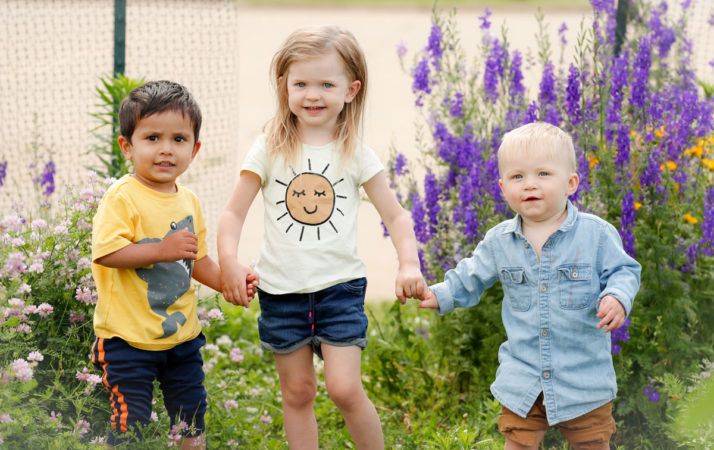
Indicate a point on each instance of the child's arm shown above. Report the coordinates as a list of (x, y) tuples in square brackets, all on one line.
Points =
[(180, 245), (233, 274), (619, 278), (410, 282), (207, 272)]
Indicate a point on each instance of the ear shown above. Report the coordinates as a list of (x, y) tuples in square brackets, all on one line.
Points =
[(125, 146), (196, 148), (352, 91), (573, 183), (500, 183)]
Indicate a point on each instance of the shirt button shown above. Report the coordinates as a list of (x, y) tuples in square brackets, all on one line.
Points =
[(546, 374), (544, 287), (544, 332), (575, 274)]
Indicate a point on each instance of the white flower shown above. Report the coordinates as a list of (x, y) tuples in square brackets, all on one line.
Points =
[(38, 224), (22, 370), (224, 340), (35, 357), (45, 309), (230, 404), (236, 355), (24, 289), (154, 417), (82, 427), (215, 314), (17, 242)]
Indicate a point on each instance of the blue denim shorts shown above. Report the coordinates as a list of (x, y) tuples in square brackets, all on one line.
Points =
[(334, 315)]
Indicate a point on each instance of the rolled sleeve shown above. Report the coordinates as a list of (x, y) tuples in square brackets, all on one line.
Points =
[(443, 297), (620, 273)]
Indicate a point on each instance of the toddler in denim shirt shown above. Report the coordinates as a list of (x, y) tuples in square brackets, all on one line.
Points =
[(567, 283)]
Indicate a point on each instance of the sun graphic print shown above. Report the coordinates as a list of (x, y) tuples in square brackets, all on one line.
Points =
[(310, 201)]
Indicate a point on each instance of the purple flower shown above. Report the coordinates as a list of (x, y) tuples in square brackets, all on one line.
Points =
[(604, 6), (627, 222), (485, 23), (434, 46), (420, 84), (547, 96), (400, 163), (47, 178), (3, 172), (640, 74), (531, 113), (418, 216), (516, 75), (650, 176), (572, 97), (494, 70), (652, 393), (692, 258), (561, 33), (622, 334), (457, 106), (431, 200), (707, 241), (623, 148), (401, 48), (617, 83)]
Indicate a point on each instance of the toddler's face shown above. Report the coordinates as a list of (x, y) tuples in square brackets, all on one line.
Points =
[(318, 89), (162, 147), (537, 184)]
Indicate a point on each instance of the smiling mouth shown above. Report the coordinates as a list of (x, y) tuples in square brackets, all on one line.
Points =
[(310, 212), (314, 108), (165, 164)]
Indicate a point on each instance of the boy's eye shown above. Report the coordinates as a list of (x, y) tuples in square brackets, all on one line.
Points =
[(320, 193), (543, 173), (180, 139), (298, 193), (517, 177), (153, 138), (328, 85)]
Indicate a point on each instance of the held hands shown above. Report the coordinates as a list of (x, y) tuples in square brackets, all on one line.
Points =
[(429, 300), (238, 283), (410, 284), (180, 245), (611, 312)]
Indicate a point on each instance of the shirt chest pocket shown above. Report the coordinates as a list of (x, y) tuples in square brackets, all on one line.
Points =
[(515, 288), (575, 286)]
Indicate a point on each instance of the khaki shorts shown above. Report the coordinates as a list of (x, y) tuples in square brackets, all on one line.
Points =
[(590, 430)]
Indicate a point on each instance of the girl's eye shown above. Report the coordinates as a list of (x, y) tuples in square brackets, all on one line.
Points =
[(300, 84), (320, 193), (327, 85), (298, 193), (543, 173)]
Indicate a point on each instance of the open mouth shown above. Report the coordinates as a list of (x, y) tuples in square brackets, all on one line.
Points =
[(165, 164), (314, 108), (531, 199)]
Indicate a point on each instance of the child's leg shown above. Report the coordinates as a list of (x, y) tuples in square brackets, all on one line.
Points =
[(524, 433), (181, 379), (513, 445), (298, 386), (344, 385), (591, 431)]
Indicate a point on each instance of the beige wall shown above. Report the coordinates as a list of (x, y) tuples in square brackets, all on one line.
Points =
[(52, 53)]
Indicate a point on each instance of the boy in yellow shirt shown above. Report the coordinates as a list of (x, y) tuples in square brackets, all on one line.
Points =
[(148, 241)]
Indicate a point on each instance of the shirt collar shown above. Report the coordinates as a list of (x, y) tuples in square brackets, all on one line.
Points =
[(515, 226)]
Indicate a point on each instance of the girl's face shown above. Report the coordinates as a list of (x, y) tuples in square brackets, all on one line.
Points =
[(318, 88)]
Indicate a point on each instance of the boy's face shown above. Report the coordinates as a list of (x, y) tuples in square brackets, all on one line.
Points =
[(162, 147), (537, 185)]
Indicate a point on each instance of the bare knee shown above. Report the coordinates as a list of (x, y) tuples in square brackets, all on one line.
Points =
[(346, 394), (299, 392)]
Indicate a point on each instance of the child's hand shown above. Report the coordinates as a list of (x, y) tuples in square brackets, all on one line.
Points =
[(410, 284), (429, 300), (180, 245), (611, 312), (234, 281), (252, 281)]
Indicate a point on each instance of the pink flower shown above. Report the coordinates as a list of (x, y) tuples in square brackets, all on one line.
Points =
[(154, 417), (45, 309), (266, 419), (15, 264), (5, 418), (230, 404), (236, 355), (24, 289), (215, 314), (22, 370), (86, 295), (24, 328), (38, 224), (83, 375), (75, 317), (82, 427), (35, 357)]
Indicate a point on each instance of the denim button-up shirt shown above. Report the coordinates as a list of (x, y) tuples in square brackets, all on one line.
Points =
[(549, 311)]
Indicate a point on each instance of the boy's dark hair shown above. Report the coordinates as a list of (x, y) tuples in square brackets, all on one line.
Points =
[(156, 97)]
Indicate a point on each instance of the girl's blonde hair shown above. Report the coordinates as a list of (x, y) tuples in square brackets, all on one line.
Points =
[(282, 135)]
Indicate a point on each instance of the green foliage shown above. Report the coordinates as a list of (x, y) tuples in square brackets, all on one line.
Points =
[(111, 92)]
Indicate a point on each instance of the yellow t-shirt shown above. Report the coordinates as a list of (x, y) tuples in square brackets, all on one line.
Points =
[(152, 308)]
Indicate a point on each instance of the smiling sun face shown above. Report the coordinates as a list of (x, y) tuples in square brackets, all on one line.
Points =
[(310, 200)]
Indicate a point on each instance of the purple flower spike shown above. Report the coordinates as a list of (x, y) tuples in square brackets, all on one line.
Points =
[(652, 393), (3, 172)]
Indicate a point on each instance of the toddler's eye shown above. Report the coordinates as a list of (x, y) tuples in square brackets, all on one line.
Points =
[(180, 139), (300, 84), (517, 177), (320, 193), (298, 193), (543, 173), (327, 85), (153, 138)]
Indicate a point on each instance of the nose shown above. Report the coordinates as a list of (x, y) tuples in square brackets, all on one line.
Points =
[(167, 148), (312, 94)]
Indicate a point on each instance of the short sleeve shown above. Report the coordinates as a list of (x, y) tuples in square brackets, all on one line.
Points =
[(369, 164), (200, 229), (112, 226), (256, 160)]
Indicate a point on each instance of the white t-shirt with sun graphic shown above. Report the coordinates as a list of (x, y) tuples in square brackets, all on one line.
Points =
[(311, 211)]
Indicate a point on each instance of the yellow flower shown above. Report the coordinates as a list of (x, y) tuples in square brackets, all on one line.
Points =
[(690, 219), (660, 132), (670, 165), (697, 151), (638, 205), (708, 163), (593, 161)]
